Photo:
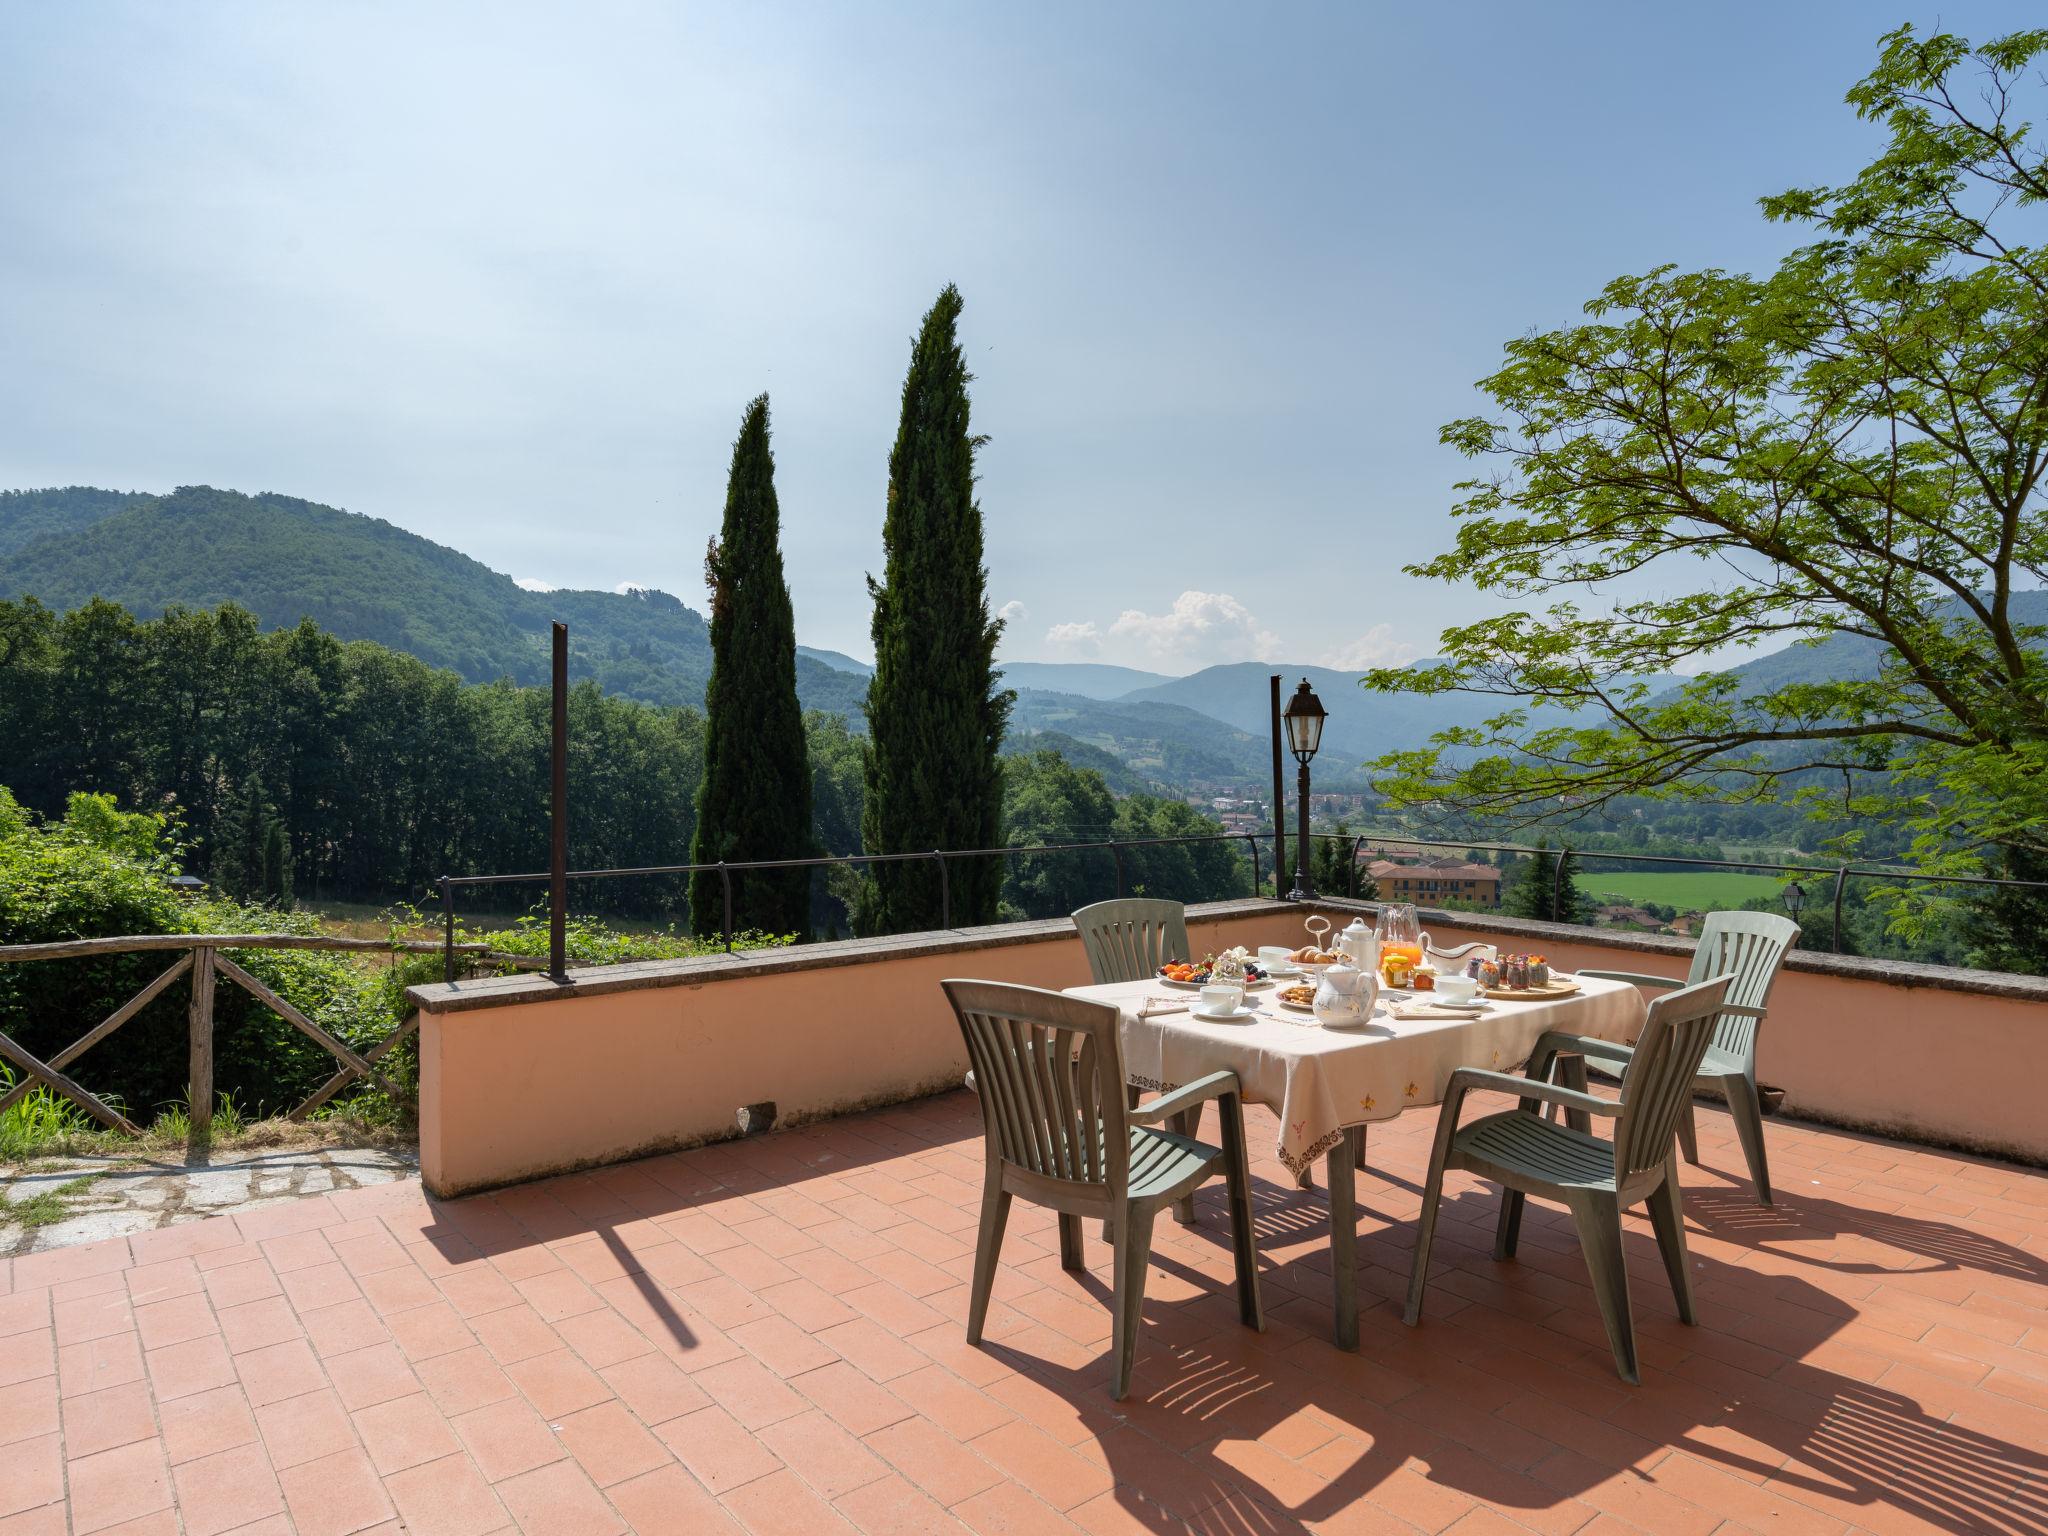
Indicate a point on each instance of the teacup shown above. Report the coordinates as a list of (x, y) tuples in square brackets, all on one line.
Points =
[(1453, 987), (1276, 959), (1217, 998)]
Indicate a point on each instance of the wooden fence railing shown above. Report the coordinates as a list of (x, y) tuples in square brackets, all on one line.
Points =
[(200, 957)]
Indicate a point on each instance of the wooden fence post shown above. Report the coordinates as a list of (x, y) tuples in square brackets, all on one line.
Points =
[(199, 1084)]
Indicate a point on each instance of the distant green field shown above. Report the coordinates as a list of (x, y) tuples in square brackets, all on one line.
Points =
[(1688, 890)]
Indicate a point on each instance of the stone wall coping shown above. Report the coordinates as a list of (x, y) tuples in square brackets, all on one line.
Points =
[(1895, 973), (597, 981)]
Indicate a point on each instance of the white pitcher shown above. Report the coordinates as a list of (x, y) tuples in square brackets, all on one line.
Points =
[(1360, 944), (1345, 995)]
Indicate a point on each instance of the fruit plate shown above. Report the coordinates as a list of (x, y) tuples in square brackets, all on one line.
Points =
[(1196, 986), (1556, 988)]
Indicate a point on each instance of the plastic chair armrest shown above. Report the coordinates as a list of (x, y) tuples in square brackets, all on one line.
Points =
[(1533, 1088), (1215, 1086)]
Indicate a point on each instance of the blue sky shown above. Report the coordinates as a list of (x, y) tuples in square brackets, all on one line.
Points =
[(506, 275)]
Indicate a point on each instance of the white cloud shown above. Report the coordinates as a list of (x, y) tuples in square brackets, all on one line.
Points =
[(628, 588), (1201, 629), (1377, 647), (1013, 613), (1082, 639), (533, 584)]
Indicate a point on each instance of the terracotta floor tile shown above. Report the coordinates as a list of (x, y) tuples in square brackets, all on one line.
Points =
[(446, 1498), (515, 1334), (468, 1378), (403, 1432), (175, 1320), (1052, 1471), (424, 1332), (230, 1285), (278, 1371), (934, 1460), (670, 1502), (890, 1506), (305, 1428), (1008, 1510), (654, 1388), (336, 1495), (28, 1409), (343, 1328), (859, 1404), (226, 1490), (206, 1422), (326, 1284), (559, 1500), (750, 1392), (780, 1504), (823, 1454), (610, 1444), (507, 1438), (35, 1477), (118, 1485), (558, 1383), (197, 1365), (717, 1449), (365, 1377), (100, 1421), (255, 1324)]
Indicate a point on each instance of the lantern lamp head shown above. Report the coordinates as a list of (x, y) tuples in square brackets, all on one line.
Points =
[(1304, 717)]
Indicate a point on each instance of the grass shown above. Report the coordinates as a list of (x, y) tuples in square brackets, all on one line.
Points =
[(42, 1119), (1703, 890), (46, 1208)]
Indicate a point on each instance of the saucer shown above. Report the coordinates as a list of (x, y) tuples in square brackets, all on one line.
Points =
[(1237, 1015)]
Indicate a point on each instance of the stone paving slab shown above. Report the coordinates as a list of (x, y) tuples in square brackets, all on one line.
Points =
[(132, 1193)]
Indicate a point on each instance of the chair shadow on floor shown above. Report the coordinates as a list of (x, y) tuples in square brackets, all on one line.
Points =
[(1413, 1409), (1800, 1218)]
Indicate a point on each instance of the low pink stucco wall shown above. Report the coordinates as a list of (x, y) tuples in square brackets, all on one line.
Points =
[(1907, 1050), (519, 1078)]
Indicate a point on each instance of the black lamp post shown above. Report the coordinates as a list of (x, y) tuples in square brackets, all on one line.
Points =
[(1794, 897), (1304, 718)]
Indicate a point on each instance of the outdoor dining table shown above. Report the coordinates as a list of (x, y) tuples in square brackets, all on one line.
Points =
[(1326, 1085)]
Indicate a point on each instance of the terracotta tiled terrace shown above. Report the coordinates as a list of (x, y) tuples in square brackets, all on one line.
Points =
[(766, 1336)]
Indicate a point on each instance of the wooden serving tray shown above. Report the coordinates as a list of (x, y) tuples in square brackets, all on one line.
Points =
[(1531, 994)]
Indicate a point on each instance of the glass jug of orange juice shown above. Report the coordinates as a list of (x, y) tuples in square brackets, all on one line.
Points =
[(1401, 936)]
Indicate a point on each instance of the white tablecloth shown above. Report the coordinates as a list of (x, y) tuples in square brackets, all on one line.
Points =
[(1320, 1081)]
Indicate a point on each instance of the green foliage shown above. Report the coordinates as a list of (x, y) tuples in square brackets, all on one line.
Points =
[(382, 772), (100, 872), (935, 714), (1049, 801), (39, 1118), (755, 799), (1537, 889), (1853, 447), (26, 516), (1334, 871)]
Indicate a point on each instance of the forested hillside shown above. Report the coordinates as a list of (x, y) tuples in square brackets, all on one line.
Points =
[(385, 773), (359, 578)]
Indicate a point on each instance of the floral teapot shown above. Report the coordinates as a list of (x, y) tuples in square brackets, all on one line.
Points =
[(1346, 995)]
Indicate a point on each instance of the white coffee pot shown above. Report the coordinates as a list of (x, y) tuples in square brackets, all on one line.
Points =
[(1360, 944), (1346, 995)]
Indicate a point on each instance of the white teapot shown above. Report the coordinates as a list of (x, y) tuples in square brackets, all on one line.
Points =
[(1360, 945), (1346, 995)]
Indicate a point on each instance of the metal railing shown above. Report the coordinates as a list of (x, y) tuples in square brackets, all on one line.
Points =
[(1841, 874), (725, 870)]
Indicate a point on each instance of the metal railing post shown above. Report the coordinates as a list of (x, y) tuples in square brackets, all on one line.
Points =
[(945, 891), (1557, 885), (447, 931), (1251, 841), (1116, 852), (725, 886), (1841, 879), (1351, 883)]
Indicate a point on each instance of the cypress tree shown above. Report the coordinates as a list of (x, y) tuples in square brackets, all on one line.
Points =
[(277, 867), (754, 801), (935, 715)]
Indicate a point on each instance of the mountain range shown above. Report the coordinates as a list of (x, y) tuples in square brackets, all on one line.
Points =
[(366, 579)]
